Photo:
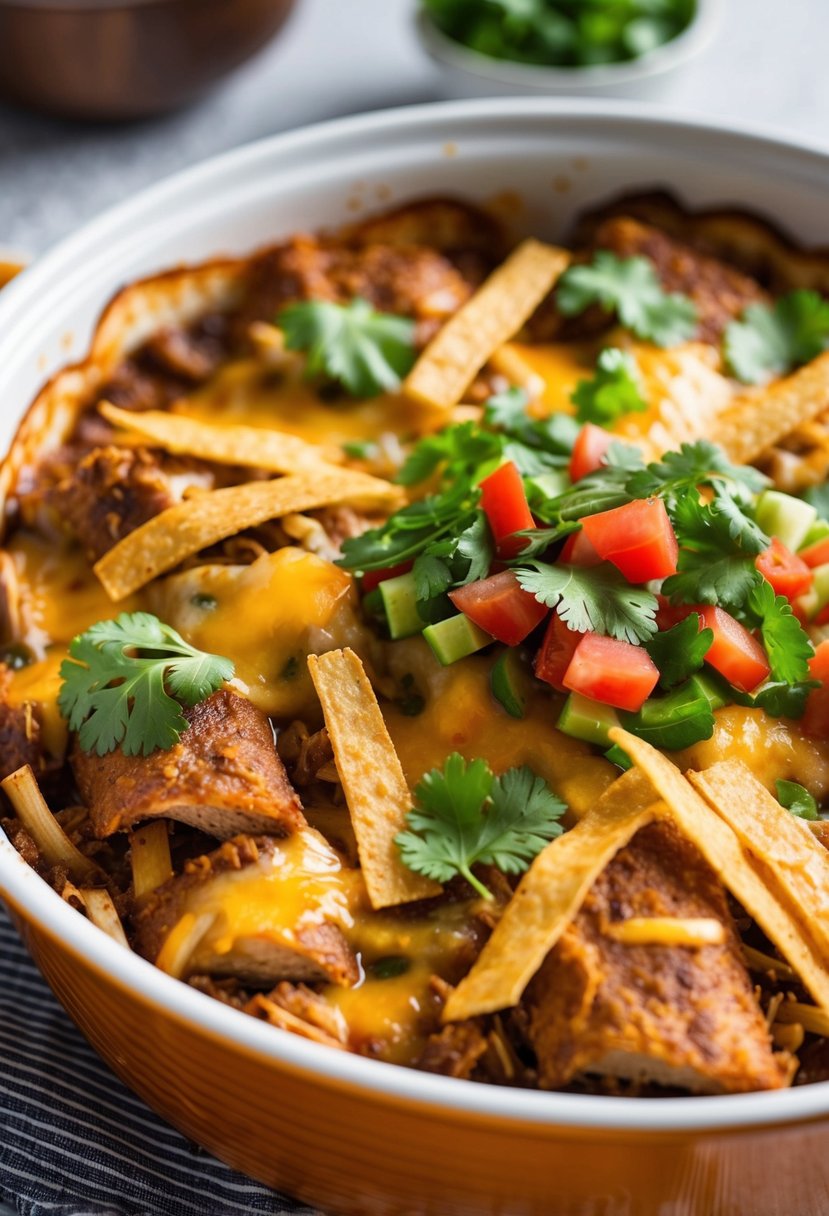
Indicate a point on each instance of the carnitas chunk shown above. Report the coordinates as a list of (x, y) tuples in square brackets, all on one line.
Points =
[(669, 1015), (223, 776), (258, 909)]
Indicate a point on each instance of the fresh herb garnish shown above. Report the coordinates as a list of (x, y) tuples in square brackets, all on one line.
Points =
[(769, 341), (630, 288), (368, 352), (716, 555), (796, 799), (594, 599), (786, 643), (463, 816), (614, 390), (679, 651), (126, 681)]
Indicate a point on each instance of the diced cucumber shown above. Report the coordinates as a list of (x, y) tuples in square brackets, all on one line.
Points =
[(818, 531), (618, 756), (455, 638), (817, 597), (589, 720), (400, 604), (787, 518), (507, 681), (549, 484)]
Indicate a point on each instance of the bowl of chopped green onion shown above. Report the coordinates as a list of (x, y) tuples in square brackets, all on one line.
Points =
[(626, 48)]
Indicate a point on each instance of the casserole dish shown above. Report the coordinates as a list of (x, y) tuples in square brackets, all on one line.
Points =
[(345, 1133)]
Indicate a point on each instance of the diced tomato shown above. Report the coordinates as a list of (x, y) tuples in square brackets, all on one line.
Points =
[(500, 606), (556, 651), (637, 538), (822, 617), (735, 653), (668, 614), (815, 721), (817, 554), (787, 572), (589, 450), (578, 551), (373, 578), (505, 505), (613, 672)]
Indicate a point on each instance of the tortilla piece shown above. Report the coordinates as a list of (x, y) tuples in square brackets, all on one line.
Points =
[(372, 777), (779, 844), (721, 849), (251, 447), (548, 898), (498, 309), (755, 421), (179, 532)]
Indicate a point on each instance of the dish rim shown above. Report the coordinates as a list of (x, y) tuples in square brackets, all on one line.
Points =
[(37, 903)]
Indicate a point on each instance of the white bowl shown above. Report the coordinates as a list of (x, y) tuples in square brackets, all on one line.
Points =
[(467, 73), (455, 1145)]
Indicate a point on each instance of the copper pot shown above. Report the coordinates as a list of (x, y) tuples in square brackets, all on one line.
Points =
[(116, 59)]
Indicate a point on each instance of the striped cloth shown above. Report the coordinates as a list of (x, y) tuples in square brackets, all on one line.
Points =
[(75, 1142)]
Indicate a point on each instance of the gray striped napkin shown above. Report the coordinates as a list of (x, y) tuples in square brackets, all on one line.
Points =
[(75, 1142)]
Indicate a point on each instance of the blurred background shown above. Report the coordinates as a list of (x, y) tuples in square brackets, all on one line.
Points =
[(759, 61)]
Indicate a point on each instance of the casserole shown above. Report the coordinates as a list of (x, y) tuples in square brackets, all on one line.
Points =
[(112, 1019)]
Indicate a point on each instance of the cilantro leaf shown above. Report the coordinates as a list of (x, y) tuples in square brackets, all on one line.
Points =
[(614, 390), (539, 540), (432, 576), (127, 679), (464, 816), (630, 288), (786, 643), (462, 448), (781, 700), (716, 556), (680, 651), (694, 465), (769, 341), (367, 351), (796, 799), (680, 719), (594, 599)]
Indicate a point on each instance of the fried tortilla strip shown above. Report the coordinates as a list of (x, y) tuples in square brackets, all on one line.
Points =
[(548, 898), (371, 774), (179, 532), (754, 422), (780, 845), (251, 447), (721, 849), (498, 309)]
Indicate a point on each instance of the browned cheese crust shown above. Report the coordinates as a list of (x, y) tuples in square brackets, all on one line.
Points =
[(223, 776), (671, 1015), (317, 952)]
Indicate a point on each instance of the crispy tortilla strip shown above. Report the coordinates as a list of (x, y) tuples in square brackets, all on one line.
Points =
[(177, 533), (754, 422), (721, 849), (371, 774), (250, 446), (780, 845), (548, 898), (498, 309)]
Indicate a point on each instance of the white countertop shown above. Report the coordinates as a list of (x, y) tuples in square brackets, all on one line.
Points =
[(767, 65)]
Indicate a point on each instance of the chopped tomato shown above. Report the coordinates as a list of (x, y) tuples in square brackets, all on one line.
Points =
[(735, 653), (589, 450), (822, 617), (500, 606), (815, 721), (668, 614), (637, 538), (504, 503), (817, 554), (373, 578), (787, 572), (613, 672), (556, 651), (578, 551)]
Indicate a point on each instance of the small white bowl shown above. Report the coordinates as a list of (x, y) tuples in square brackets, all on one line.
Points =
[(468, 73)]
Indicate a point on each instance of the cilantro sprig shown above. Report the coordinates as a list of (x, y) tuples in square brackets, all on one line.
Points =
[(613, 391), (366, 351), (680, 651), (594, 599), (464, 816), (786, 643), (127, 679), (771, 340), (796, 799), (630, 288)]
